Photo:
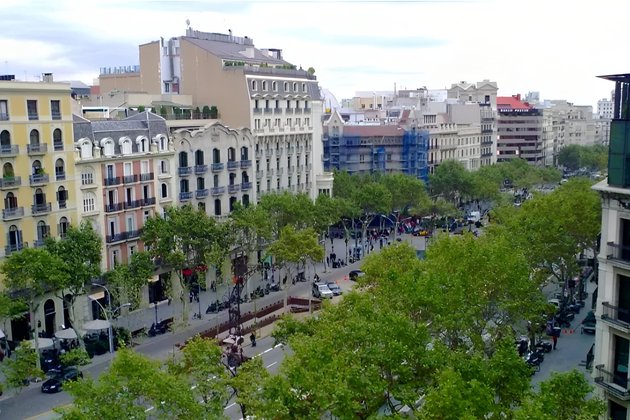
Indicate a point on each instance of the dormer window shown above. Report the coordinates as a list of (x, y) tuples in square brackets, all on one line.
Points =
[(108, 146), (125, 146), (254, 85)]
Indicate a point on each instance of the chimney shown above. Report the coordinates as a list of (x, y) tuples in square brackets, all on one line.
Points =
[(518, 96), (47, 77)]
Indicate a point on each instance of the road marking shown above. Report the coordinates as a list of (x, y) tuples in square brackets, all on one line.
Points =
[(268, 366), (230, 406)]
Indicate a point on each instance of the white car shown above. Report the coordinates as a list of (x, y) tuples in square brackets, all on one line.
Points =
[(321, 291)]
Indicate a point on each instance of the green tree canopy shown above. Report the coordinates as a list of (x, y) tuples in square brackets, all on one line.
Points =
[(451, 181)]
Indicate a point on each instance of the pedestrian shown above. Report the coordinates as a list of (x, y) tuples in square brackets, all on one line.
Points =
[(252, 338), (328, 261), (554, 337)]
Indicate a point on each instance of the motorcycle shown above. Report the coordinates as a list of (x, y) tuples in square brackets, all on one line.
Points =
[(157, 329), (275, 287), (545, 346), (534, 359)]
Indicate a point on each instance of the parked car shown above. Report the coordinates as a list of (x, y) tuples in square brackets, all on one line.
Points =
[(321, 291), (334, 287), (55, 384), (355, 274)]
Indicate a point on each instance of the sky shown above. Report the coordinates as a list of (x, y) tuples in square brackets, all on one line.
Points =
[(555, 47)]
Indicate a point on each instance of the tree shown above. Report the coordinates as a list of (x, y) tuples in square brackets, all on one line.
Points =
[(344, 184), (286, 209), (201, 365), (296, 247), (141, 108), (250, 395), (214, 112), (80, 254), (133, 387), (163, 113), (30, 273), (372, 199), (24, 366), (406, 192), (205, 112), (451, 181), (311, 71), (126, 280), (75, 357), (197, 113), (564, 396), (187, 238)]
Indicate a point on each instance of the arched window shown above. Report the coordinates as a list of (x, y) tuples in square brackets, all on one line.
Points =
[(126, 148), (199, 157), (62, 197), (216, 155), (57, 139), (295, 89), (108, 146), (286, 86), (10, 201), (85, 148), (15, 239), (183, 186), (143, 144), (217, 207), (39, 198), (5, 139), (254, 85), (303, 87), (164, 191), (233, 201), (264, 85), (7, 171), (245, 177), (60, 170), (163, 143), (231, 154), (183, 159), (244, 153), (274, 86), (43, 232), (34, 138), (89, 202), (37, 167), (63, 226), (245, 200)]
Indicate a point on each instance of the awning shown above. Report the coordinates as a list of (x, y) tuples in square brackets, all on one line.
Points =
[(96, 325), (42, 343), (67, 334)]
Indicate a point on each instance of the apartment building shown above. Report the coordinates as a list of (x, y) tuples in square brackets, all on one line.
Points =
[(37, 184), (251, 87), (519, 131), (124, 176), (374, 148), (612, 338)]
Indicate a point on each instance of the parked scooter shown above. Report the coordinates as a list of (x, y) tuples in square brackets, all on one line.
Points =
[(157, 329), (534, 359)]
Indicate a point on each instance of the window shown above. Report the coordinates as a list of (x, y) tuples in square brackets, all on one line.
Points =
[(288, 104), (201, 183), (60, 171), (163, 167), (55, 109), (62, 197), (199, 160), (31, 107), (132, 250), (143, 144), (231, 154), (183, 186), (10, 201), (63, 227), (303, 87), (115, 258), (125, 146), (7, 171), (215, 181), (286, 86), (163, 143), (295, 87), (4, 110), (5, 141), (89, 202), (107, 144), (164, 193), (58, 140), (274, 86), (217, 207), (216, 155), (183, 159), (254, 86), (34, 140), (305, 104), (264, 85), (85, 148), (127, 169), (201, 206), (277, 103)]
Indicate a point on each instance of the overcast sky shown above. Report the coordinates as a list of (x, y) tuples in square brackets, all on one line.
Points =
[(556, 47)]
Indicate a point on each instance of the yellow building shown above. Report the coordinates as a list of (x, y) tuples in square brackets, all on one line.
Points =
[(37, 162)]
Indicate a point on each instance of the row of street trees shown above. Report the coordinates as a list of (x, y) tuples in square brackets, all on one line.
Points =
[(575, 156), (436, 335)]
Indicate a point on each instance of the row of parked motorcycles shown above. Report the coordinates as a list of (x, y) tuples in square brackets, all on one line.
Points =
[(218, 306), (533, 357)]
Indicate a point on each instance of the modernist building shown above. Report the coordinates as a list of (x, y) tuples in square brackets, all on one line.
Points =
[(254, 88), (612, 339), (519, 131), (374, 148), (125, 174), (37, 184)]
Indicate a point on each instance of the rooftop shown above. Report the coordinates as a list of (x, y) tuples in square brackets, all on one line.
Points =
[(623, 78), (512, 103), (373, 130)]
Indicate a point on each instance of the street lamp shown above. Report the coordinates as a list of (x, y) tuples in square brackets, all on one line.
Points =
[(110, 331)]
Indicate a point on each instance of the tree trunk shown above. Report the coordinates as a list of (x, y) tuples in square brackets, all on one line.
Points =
[(32, 310)]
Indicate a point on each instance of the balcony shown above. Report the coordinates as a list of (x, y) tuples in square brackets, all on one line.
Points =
[(147, 177), (201, 193), (217, 167), (618, 253), (217, 191), (201, 169), (132, 204), (259, 174), (116, 237), (307, 110), (9, 151), (259, 154), (245, 163), (62, 204), (13, 248), (149, 201), (11, 182), (111, 181), (58, 147), (617, 317), (615, 384), (55, 115), (298, 110), (257, 110), (38, 243), (37, 149), (246, 186), (130, 179), (185, 196), (4, 116), (133, 234), (184, 170), (60, 176), (109, 208), (277, 110), (268, 110), (38, 179), (234, 188), (32, 116), (12, 213), (232, 164), (41, 208), (289, 110)]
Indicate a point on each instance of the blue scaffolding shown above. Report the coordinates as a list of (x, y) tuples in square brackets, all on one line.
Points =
[(415, 154)]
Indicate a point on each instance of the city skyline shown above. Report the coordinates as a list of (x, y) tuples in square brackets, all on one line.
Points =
[(554, 48)]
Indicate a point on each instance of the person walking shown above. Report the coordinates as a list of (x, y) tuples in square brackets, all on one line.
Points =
[(252, 338), (554, 338)]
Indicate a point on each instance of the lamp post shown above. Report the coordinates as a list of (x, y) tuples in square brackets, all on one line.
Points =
[(110, 331)]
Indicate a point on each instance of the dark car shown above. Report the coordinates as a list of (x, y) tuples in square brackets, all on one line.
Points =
[(355, 274), (55, 384), (334, 287)]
